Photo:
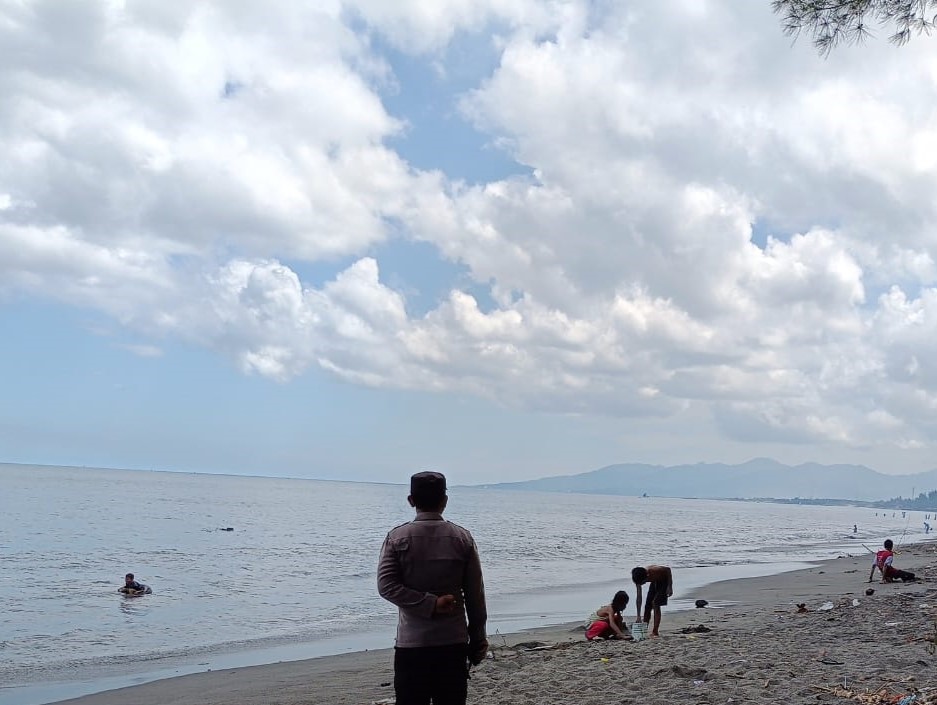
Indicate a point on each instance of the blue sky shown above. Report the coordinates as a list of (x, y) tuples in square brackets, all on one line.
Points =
[(84, 399), (503, 240)]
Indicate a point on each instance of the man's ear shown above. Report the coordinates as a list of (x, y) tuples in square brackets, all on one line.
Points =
[(410, 500), (445, 501)]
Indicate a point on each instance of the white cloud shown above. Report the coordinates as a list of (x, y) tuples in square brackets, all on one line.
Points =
[(130, 132), (143, 350), (175, 166), (415, 26)]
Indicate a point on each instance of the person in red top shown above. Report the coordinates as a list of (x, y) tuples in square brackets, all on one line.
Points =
[(883, 562), (607, 622)]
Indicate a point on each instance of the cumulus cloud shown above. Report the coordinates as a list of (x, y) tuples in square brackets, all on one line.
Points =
[(219, 129), (420, 27), (712, 219)]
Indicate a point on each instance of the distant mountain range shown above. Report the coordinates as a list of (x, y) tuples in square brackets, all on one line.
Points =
[(758, 478)]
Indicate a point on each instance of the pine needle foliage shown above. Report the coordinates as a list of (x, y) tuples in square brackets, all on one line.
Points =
[(830, 23)]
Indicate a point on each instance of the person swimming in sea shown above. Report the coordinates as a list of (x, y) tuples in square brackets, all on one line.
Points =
[(132, 587)]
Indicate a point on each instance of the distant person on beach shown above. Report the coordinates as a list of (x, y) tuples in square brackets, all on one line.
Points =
[(883, 562), (606, 622), (660, 578), (430, 569), (132, 587)]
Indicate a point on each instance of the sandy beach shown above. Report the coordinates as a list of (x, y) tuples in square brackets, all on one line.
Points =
[(843, 646)]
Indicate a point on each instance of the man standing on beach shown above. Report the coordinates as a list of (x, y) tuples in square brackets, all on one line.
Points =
[(661, 579), (430, 569)]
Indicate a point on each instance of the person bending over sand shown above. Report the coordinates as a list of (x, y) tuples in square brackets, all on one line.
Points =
[(606, 622), (661, 579)]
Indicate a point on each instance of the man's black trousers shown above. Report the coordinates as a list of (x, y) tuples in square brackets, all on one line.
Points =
[(432, 674)]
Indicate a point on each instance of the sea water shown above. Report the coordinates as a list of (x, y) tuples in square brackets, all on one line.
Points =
[(295, 577)]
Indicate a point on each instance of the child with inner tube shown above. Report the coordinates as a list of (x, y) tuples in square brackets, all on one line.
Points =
[(131, 586)]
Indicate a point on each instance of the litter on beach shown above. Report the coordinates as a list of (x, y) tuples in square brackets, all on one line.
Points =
[(700, 629), (831, 661), (880, 697)]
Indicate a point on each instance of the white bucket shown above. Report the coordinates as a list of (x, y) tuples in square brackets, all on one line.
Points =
[(639, 631)]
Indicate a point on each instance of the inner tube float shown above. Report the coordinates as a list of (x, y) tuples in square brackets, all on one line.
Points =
[(130, 591)]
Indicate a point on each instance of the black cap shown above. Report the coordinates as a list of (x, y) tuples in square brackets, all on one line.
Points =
[(427, 488)]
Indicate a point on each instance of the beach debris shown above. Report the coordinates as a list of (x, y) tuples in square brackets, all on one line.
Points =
[(931, 640), (829, 661), (385, 684), (855, 602), (882, 696), (700, 629), (604, 660), (801, 606), (697, 674), (869, 591), (701, 603), (825, 607)]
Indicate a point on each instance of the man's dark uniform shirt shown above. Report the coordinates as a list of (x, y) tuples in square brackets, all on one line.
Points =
[(422, 560)]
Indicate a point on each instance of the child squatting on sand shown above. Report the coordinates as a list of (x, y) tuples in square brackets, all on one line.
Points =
[(606, 622)]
